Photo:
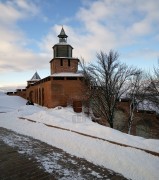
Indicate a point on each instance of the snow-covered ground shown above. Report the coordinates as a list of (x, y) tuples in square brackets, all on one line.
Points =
[(130, 162)]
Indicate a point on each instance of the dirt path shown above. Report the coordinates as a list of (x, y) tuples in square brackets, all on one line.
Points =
[(22, 157)]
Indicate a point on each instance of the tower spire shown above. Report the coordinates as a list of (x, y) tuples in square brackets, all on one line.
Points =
[(62, 36)]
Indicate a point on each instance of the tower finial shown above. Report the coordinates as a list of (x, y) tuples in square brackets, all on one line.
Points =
[(62, 36)]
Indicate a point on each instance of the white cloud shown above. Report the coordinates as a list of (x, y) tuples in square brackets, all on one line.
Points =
[(8, 14), (26, 7), (119, 23), (105, 25), (147, 53), (14, 56), (109, 25)]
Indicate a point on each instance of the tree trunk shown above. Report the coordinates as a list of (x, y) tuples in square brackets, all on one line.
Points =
[(130, 120), (111, 124)]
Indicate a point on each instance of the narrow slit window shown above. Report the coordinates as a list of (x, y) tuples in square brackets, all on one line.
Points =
[(71, 78), (61, 62), (58, 78), (68, 62)]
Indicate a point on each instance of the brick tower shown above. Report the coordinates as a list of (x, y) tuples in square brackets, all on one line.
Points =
[(62, 56), (65, 84)]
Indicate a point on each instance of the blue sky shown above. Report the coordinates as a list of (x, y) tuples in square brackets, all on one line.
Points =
[(29, 29)]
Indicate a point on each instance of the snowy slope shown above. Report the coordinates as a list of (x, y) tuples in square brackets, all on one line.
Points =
[(66, 118), (130, 162), (10, 103)]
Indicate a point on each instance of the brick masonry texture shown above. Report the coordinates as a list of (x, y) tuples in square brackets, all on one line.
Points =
[(56, 66)]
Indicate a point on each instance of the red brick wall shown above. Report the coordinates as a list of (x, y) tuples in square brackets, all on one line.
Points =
[(20, 93), (41, 93), (66, 91), (144, 124), (54, 93), (56, 67)]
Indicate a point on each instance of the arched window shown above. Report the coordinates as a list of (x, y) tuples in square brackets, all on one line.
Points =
[(42, 96), (35, 95), (31, 96), (39, 96)]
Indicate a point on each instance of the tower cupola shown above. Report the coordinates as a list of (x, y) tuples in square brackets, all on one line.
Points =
[(62, 49)]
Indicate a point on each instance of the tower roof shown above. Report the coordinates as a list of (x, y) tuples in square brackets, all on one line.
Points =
[(35, 77), (62, 34)]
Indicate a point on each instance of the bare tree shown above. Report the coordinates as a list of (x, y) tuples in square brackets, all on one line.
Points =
[(153, 87), (107, 79), (143, 93), (136, 94)]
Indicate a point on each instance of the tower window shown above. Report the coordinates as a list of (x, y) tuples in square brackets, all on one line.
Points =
[(71, 78), (68, 62), (58, 78), (61, 62)]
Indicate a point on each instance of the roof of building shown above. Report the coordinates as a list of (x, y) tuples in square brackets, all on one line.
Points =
[(148, 106), (62, 43), (35, 77)]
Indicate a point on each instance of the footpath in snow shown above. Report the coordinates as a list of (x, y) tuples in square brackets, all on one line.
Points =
[(130, 162)]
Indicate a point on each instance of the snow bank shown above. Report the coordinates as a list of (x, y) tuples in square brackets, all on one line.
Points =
[(130, 162), (67, 74), (66, 118)]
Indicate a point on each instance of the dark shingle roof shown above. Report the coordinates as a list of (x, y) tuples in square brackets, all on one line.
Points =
[(62, 34), (35, 77)]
